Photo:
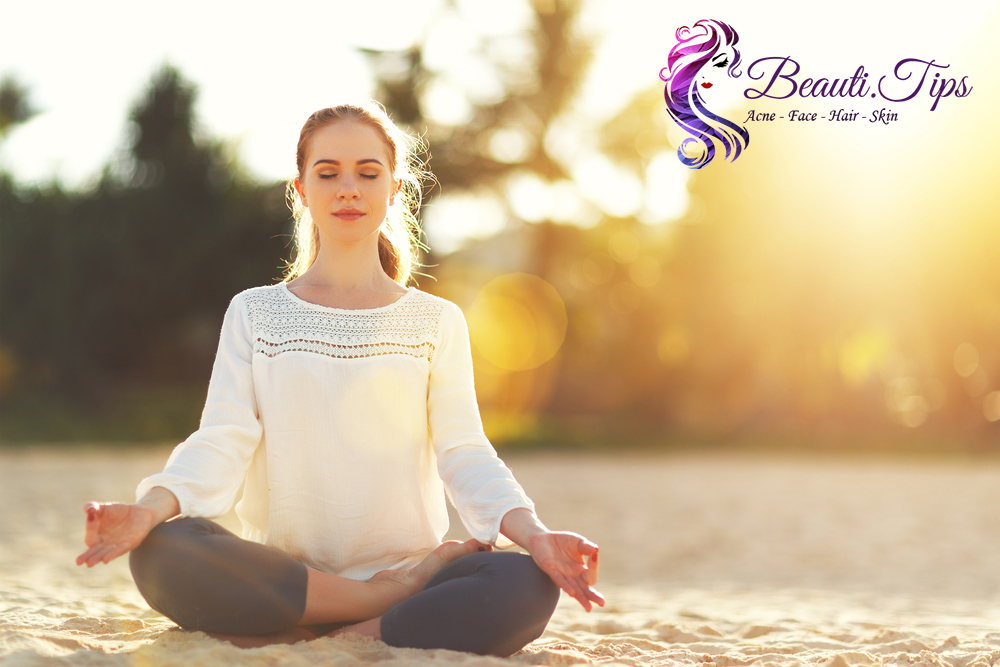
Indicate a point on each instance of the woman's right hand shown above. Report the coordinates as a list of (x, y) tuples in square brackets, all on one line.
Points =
[(114, 529)]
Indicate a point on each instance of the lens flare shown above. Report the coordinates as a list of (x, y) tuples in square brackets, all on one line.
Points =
[(673, 347), (991, 406), (861, 354), (966, 359), (645, 271), (518, 322)]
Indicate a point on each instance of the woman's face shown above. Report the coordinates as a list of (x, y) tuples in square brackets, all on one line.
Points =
[(346, 183), (713, 78)]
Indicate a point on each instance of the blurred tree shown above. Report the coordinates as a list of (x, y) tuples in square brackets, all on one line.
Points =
[(124, 286), (742, 316), (15, 107), (504, 136)]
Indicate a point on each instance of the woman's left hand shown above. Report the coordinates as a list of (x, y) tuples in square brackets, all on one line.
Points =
[(571, 561)]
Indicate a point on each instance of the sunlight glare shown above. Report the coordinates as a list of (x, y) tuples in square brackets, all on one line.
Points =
[(518, 321)]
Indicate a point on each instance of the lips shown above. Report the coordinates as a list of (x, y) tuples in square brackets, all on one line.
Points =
[(349, 214), (706, 85)]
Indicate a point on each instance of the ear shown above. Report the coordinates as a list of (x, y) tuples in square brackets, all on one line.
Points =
[(302, 193), (399, 186)]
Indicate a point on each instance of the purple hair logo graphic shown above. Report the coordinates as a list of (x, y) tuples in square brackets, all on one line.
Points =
[(700, 49)]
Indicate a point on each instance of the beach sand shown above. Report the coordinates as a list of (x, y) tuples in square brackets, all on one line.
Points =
[(706, 559)]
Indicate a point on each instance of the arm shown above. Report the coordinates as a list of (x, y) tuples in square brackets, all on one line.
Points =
[(204, 472), (488, 498), (480, 486)]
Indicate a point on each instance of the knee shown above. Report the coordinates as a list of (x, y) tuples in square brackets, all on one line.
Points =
[(525, 594), (531, 598), (490, 603), (145, 558), (158, 564), (161, 547), (537, 592)]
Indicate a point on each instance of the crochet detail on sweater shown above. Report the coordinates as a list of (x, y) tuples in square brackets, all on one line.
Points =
[(281, 323)]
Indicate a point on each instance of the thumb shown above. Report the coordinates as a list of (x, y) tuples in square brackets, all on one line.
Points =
[(93, 512), (590, 574)]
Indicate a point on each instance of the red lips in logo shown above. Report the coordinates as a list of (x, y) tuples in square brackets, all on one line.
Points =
[(706, 85)]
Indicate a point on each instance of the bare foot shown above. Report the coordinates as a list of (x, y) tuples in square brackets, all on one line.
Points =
[(402, 584), (405, 583)]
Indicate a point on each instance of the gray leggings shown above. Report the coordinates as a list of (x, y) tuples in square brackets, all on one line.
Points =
[(203, 577)]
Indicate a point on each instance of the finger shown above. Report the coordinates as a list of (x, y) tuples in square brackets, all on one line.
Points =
[(98, 555), (564, 584), (573, 587), (93, 513), (590, 574), (586, 547), (586, 592), (82, 558), (118, 550), (88, 555), (107, 552), (95, 554)]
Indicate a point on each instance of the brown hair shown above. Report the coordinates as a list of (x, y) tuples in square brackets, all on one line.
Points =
[(399, 236)]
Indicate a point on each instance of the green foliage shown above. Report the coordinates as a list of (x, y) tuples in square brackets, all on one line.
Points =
[(755, 315), (14, 104), (126, 284), (538, 87)]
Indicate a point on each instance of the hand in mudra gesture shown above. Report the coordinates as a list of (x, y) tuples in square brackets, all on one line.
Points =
[(114, 529), (571, 561)]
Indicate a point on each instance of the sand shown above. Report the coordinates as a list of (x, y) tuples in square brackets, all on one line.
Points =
[(707, 559)]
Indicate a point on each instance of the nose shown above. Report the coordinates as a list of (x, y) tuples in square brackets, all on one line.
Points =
[(348, 188)]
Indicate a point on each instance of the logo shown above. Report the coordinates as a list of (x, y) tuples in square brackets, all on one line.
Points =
[(703, 53)]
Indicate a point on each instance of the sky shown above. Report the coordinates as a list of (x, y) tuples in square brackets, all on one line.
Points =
[(261, 71)]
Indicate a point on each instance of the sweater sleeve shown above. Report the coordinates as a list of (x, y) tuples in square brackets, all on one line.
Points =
[(480, 485), (206, 470)]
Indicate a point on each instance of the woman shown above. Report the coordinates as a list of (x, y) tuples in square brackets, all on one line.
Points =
[(701, 51), (345, 402)]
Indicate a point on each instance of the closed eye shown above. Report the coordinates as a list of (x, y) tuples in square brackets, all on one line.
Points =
[(722, 64)]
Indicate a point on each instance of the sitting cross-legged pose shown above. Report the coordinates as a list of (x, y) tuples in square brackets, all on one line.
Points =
[(343, 403)]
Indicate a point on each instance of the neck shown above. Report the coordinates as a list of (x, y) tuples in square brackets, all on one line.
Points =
[(354, 267)]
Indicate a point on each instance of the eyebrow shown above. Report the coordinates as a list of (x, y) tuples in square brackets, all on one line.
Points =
[(335, 162), (721, 55)]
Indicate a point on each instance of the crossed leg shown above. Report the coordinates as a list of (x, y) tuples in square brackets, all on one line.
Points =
[(203, 577)]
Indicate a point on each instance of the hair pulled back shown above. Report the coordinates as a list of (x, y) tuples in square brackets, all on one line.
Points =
[(399, 235)]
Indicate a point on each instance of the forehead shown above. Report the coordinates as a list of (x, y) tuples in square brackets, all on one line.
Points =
[(345, 142)]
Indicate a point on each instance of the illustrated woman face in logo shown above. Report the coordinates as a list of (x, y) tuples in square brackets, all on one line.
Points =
[(715, 75), (698, 67)]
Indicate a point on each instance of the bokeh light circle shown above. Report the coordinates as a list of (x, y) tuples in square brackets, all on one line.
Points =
[(517, 321)]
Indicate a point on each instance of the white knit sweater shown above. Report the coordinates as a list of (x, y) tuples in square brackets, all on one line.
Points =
[(343, 423)]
